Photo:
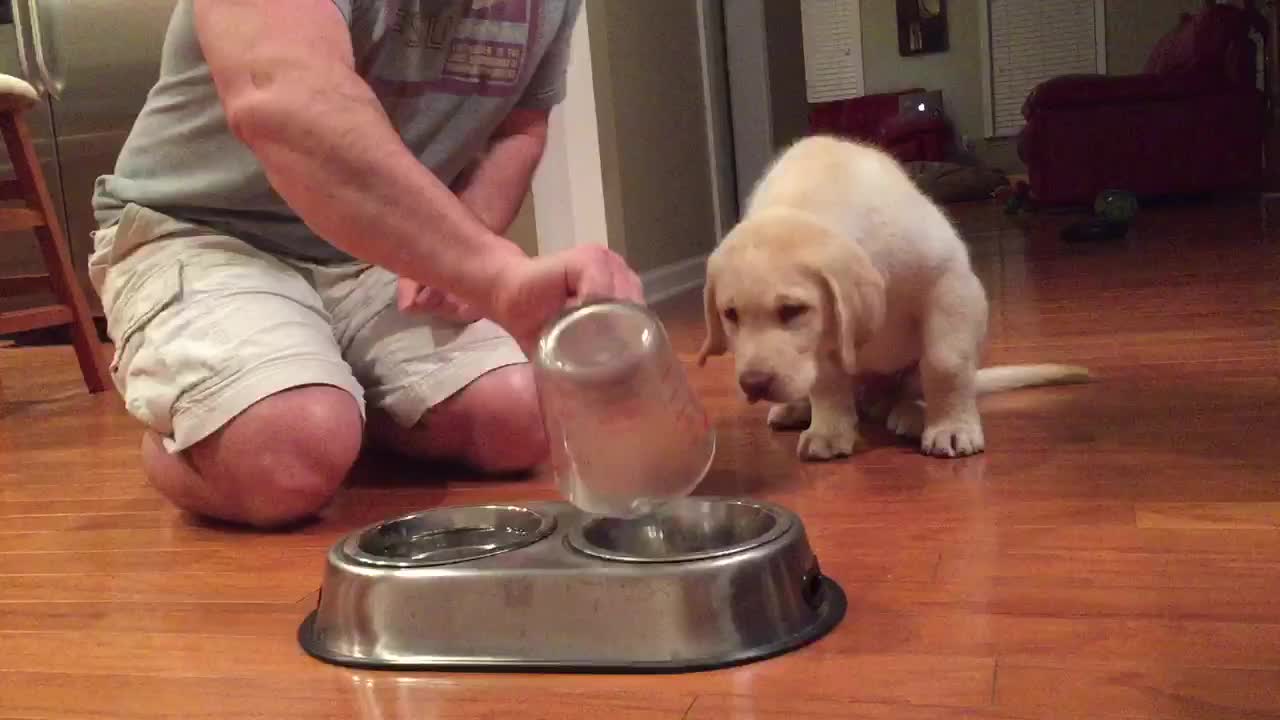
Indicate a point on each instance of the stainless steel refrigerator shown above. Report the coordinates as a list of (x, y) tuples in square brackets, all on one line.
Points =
[(96, 61)]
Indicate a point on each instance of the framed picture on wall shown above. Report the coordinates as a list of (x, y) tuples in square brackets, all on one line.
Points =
[(922, 27)]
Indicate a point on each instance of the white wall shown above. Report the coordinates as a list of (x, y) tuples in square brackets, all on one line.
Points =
[(568, 189)]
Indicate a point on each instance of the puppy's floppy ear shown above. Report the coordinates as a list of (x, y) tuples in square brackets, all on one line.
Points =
[(857, 291), (715, 342)]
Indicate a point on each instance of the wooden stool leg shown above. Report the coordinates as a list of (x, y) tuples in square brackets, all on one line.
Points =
[(57, 254)]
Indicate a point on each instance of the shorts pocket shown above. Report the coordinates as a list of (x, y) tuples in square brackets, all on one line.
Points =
[(140, 299)]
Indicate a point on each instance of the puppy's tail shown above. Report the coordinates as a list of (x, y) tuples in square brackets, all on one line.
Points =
[(1001, 378)]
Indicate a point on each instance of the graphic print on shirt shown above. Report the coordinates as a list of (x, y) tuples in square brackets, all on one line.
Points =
[(458, 47)]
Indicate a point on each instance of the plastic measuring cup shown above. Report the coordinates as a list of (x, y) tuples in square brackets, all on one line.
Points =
[(625, 428)]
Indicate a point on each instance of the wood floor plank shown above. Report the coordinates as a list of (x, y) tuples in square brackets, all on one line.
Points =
[(251, 619), (277, 586), (1028, 597), (68, 522), (212, 559), (856, 533), (717, 707), (1257, 545), (1073, 642), (17, 491), (957, 511), (1225, 516), (1102, 568), (1154, 692), (333, 696), (176, 537), (1138, 472), (45, 508)]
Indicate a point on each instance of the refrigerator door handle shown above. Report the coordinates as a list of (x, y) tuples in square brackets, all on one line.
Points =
[(44, 31), (37, 49), (20, 27)]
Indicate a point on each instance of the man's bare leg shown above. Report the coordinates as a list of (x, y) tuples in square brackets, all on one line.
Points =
[(493, 425), (279, 461), (284, 458)]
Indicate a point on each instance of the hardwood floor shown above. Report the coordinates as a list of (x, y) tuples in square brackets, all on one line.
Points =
[(1114, 554)]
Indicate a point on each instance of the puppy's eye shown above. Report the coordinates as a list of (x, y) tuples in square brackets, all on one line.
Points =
[(731, 315), (791, 311)]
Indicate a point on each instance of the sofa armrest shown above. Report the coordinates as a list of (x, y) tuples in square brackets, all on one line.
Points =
[(1077, 91)]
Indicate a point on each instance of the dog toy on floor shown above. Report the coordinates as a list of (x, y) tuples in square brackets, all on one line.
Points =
[(1114, 210)]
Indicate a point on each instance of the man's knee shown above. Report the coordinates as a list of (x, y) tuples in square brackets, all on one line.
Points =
[(507, 433), (284, 458)]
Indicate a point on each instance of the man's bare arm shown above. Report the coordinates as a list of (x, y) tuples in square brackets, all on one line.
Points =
[(496, 186), (493, 188), (285, 72)]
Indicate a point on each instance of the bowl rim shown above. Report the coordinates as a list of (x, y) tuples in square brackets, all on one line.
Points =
[(783, 521), (351, 549)]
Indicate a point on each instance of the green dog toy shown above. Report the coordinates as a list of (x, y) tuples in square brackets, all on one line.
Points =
[(1113, 210), (1116, 206)]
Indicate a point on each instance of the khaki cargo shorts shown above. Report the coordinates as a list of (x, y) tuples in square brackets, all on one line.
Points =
[(206, 325)]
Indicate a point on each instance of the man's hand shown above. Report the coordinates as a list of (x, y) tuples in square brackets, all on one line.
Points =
[(530, 295), (413, 297)]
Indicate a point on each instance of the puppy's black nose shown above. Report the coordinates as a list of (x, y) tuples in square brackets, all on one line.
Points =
[(756, 384)]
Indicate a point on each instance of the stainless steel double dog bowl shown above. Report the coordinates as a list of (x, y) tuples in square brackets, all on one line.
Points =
[(700, 583)]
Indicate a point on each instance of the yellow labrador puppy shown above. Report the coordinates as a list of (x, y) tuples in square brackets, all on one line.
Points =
[(841, 276)]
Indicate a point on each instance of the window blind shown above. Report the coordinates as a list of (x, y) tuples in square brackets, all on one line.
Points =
[(832, 49), (1030, 42)]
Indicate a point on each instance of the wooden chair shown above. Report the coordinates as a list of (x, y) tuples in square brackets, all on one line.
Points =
[(39, 216)]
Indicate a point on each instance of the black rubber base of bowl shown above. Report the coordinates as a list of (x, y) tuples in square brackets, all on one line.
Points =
[(830, 613)]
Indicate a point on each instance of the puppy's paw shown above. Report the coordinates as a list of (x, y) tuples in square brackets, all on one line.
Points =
[(790, 416), (907, 419), (826, 444), (958, 438)]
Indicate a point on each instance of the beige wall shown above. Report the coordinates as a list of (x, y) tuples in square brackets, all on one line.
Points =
[(524, 229), (606, 122), (653, 144), (1133, 27)]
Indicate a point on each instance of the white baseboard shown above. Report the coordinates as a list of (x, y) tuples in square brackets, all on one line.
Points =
[(670, 280)]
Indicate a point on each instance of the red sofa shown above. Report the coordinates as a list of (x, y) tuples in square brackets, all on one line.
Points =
[(1192, 122), (874, 119)]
